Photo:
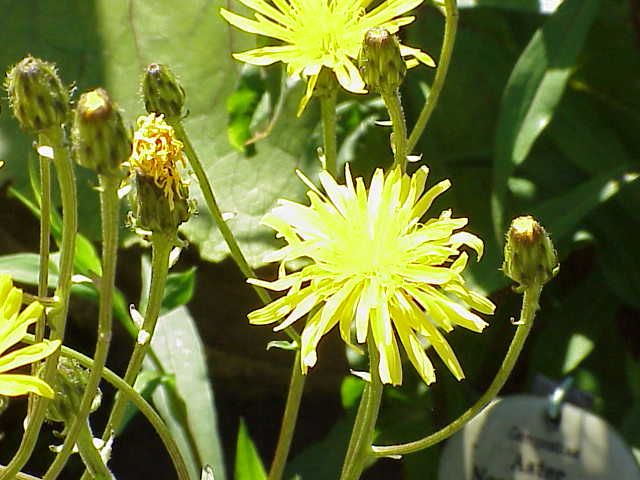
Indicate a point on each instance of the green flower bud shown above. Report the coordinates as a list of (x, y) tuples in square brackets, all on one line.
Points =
[(36, 94), (381, 62), (162, 92), (152, 210), (69, 385), (100, 140), (529, 255)]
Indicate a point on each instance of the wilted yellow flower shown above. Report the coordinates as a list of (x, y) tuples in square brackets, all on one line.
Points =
[(322, 33), (13, 327), (157, 154), (375, 267)]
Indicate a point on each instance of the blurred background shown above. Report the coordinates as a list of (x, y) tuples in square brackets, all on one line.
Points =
[(540, 115)]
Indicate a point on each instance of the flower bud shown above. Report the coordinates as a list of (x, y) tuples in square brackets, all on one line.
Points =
[(36, 94), (381, 62), (162, 92), (152, 210), (100, 140), (529, 255), (160, 196), (69, 385)]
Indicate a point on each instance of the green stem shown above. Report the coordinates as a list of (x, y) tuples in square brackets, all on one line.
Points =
[(58, 316), (359, 449), (20, 475), (110, 223), (90, 454), (161, 246), (394, 106), (328, 102), (45, 236), (289, 419), (297, 384), (530, 304), (134, 397), (216, 213), (450, 28)]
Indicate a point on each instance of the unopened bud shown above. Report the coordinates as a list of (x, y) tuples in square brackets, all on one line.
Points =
[(69, 385), (381, 62), (36, 94), (100, 140), (151, 209), (529, 255), (162, 92)]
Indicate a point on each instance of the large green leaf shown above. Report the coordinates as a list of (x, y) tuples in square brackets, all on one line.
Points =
[(109, 43), (534, 90), (191, 417)]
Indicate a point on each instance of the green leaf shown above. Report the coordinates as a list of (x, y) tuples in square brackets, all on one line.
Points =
[(179, 289), (25, 268), (191, 417), (578, 349), (248, 463), (534, 90), (351, 391), (146, 383)]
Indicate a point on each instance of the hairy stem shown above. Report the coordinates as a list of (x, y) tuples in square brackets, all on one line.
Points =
[(450, 29), (110, 223), (530, 304), (289, 419), (328, 112), (359, 449), (58, 316), (394, 106)]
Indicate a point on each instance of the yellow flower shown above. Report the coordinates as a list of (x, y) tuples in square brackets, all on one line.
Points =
[(13, 327), (157, 153), (376, 269), (322, 33)]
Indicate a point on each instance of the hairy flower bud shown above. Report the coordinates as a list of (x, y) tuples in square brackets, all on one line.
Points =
[(381, 62), (151, 208), (69, 385), (100, 140), (160, 197), (36, 94), (529, 255), (162, 91)]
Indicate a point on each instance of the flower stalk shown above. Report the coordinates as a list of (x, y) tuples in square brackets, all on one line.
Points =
[(449, 38), (359, 449), (110, 222), (399, 141), (53, 137), (161, 248)]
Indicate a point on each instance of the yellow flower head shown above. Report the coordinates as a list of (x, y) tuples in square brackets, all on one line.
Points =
[(322, 33), (13, 327), (377, 268), (157, 153)]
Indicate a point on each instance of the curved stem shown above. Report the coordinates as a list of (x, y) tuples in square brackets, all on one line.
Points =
[(212, 205), (134, 397), (90, 454), (20, 475), (359, 449), (161, 246), (450, 28), (110, 223), (58, 315), (529, 307), (328, 102), (289, 419), (394, 106)]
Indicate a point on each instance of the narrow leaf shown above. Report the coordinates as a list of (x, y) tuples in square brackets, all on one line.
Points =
[(248, 463)]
